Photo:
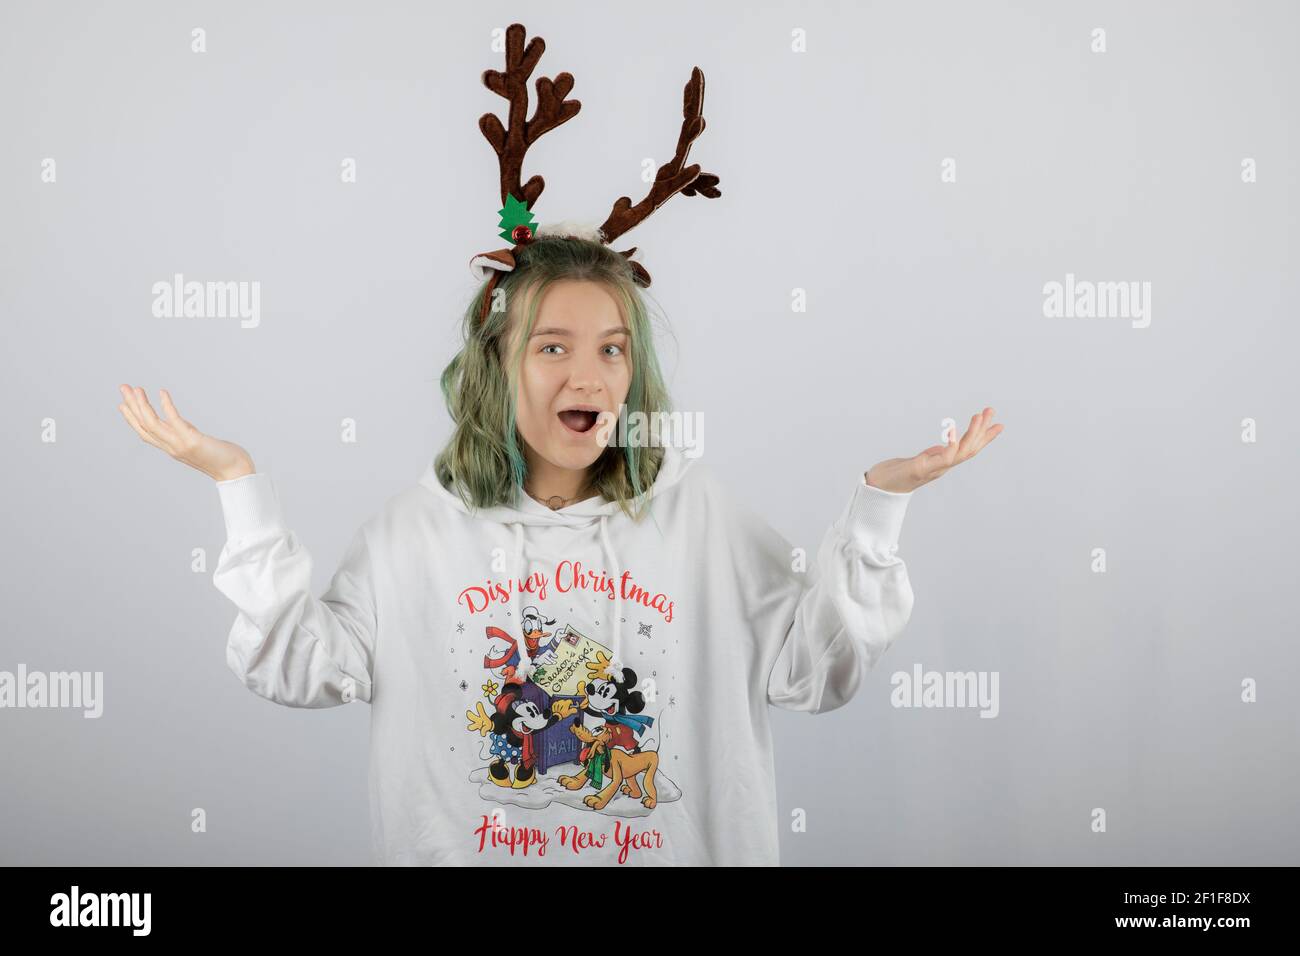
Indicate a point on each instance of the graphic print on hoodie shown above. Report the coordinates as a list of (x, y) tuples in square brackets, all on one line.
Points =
[(578, 691), (561, 717), (568, 687)]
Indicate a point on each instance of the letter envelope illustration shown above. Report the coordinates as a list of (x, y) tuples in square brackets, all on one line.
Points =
[(563, 672)]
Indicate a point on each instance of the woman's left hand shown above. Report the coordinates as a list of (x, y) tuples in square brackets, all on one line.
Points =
[(902, 475)]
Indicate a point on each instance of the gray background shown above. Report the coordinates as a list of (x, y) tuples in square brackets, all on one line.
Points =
[(1119, 690)]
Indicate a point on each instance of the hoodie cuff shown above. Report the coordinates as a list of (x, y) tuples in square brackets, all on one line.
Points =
[(874, 517), (250, 506)]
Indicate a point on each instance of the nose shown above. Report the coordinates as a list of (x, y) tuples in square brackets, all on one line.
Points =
[(584, 376)]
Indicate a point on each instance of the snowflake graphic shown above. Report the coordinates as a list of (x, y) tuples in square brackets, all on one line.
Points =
[(643, 630)]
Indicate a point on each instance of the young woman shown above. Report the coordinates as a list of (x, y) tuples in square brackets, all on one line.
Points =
[(568, 647), (568, 637)]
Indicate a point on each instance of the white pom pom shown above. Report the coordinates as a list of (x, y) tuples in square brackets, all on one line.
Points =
[(571, 228)]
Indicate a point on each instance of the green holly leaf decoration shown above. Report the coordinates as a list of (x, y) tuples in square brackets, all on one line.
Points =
[(515, 213)]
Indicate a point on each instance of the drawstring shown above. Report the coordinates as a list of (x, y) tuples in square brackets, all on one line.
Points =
[(526, 666), (616, 663)]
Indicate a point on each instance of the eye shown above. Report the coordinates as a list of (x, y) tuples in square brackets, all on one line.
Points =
[(552, 345), (618, 350)]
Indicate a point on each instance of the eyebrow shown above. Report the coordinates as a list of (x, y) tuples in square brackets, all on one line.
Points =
[(620, 330)]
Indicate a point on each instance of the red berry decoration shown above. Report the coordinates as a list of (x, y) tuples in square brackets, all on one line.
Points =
[(521, 234)]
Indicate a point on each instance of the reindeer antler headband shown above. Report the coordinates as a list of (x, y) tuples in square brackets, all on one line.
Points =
[(553, 109)]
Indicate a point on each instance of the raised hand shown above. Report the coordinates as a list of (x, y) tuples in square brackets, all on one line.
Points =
[(907, 474), (218, 459)]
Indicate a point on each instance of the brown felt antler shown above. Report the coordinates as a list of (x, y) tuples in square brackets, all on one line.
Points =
[(552, 110), (672, 178)]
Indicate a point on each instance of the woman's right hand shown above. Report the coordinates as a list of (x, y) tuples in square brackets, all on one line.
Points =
[(218, 459)]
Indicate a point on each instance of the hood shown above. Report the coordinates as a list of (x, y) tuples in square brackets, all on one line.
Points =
[(595, 514)]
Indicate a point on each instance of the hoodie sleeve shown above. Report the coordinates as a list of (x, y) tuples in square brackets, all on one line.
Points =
[(286, 645), (839, 617)]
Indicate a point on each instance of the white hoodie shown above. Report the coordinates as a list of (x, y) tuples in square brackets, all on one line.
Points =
[(435, 612)]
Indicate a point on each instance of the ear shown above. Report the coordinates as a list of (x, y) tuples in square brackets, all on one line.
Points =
[(629, 677), (635, 702)]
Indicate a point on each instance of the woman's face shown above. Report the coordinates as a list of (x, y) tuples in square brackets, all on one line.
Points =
[(575, 366)]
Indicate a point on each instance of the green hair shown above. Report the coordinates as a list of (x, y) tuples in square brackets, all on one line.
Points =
[(483, 460)]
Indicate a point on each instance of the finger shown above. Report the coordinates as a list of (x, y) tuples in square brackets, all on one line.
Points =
[(132, 402), (125, 409), (981, 427), (987, 432), (989, 435), (173, 416), (940, 454), (986, 421), (160, 428), (971, 437), (149, 418), (137, 407), (949, 455), (139, 417), (134, 422), (168, 406)]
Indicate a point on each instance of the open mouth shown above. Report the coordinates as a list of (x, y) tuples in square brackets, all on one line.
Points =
[(579, 419)]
